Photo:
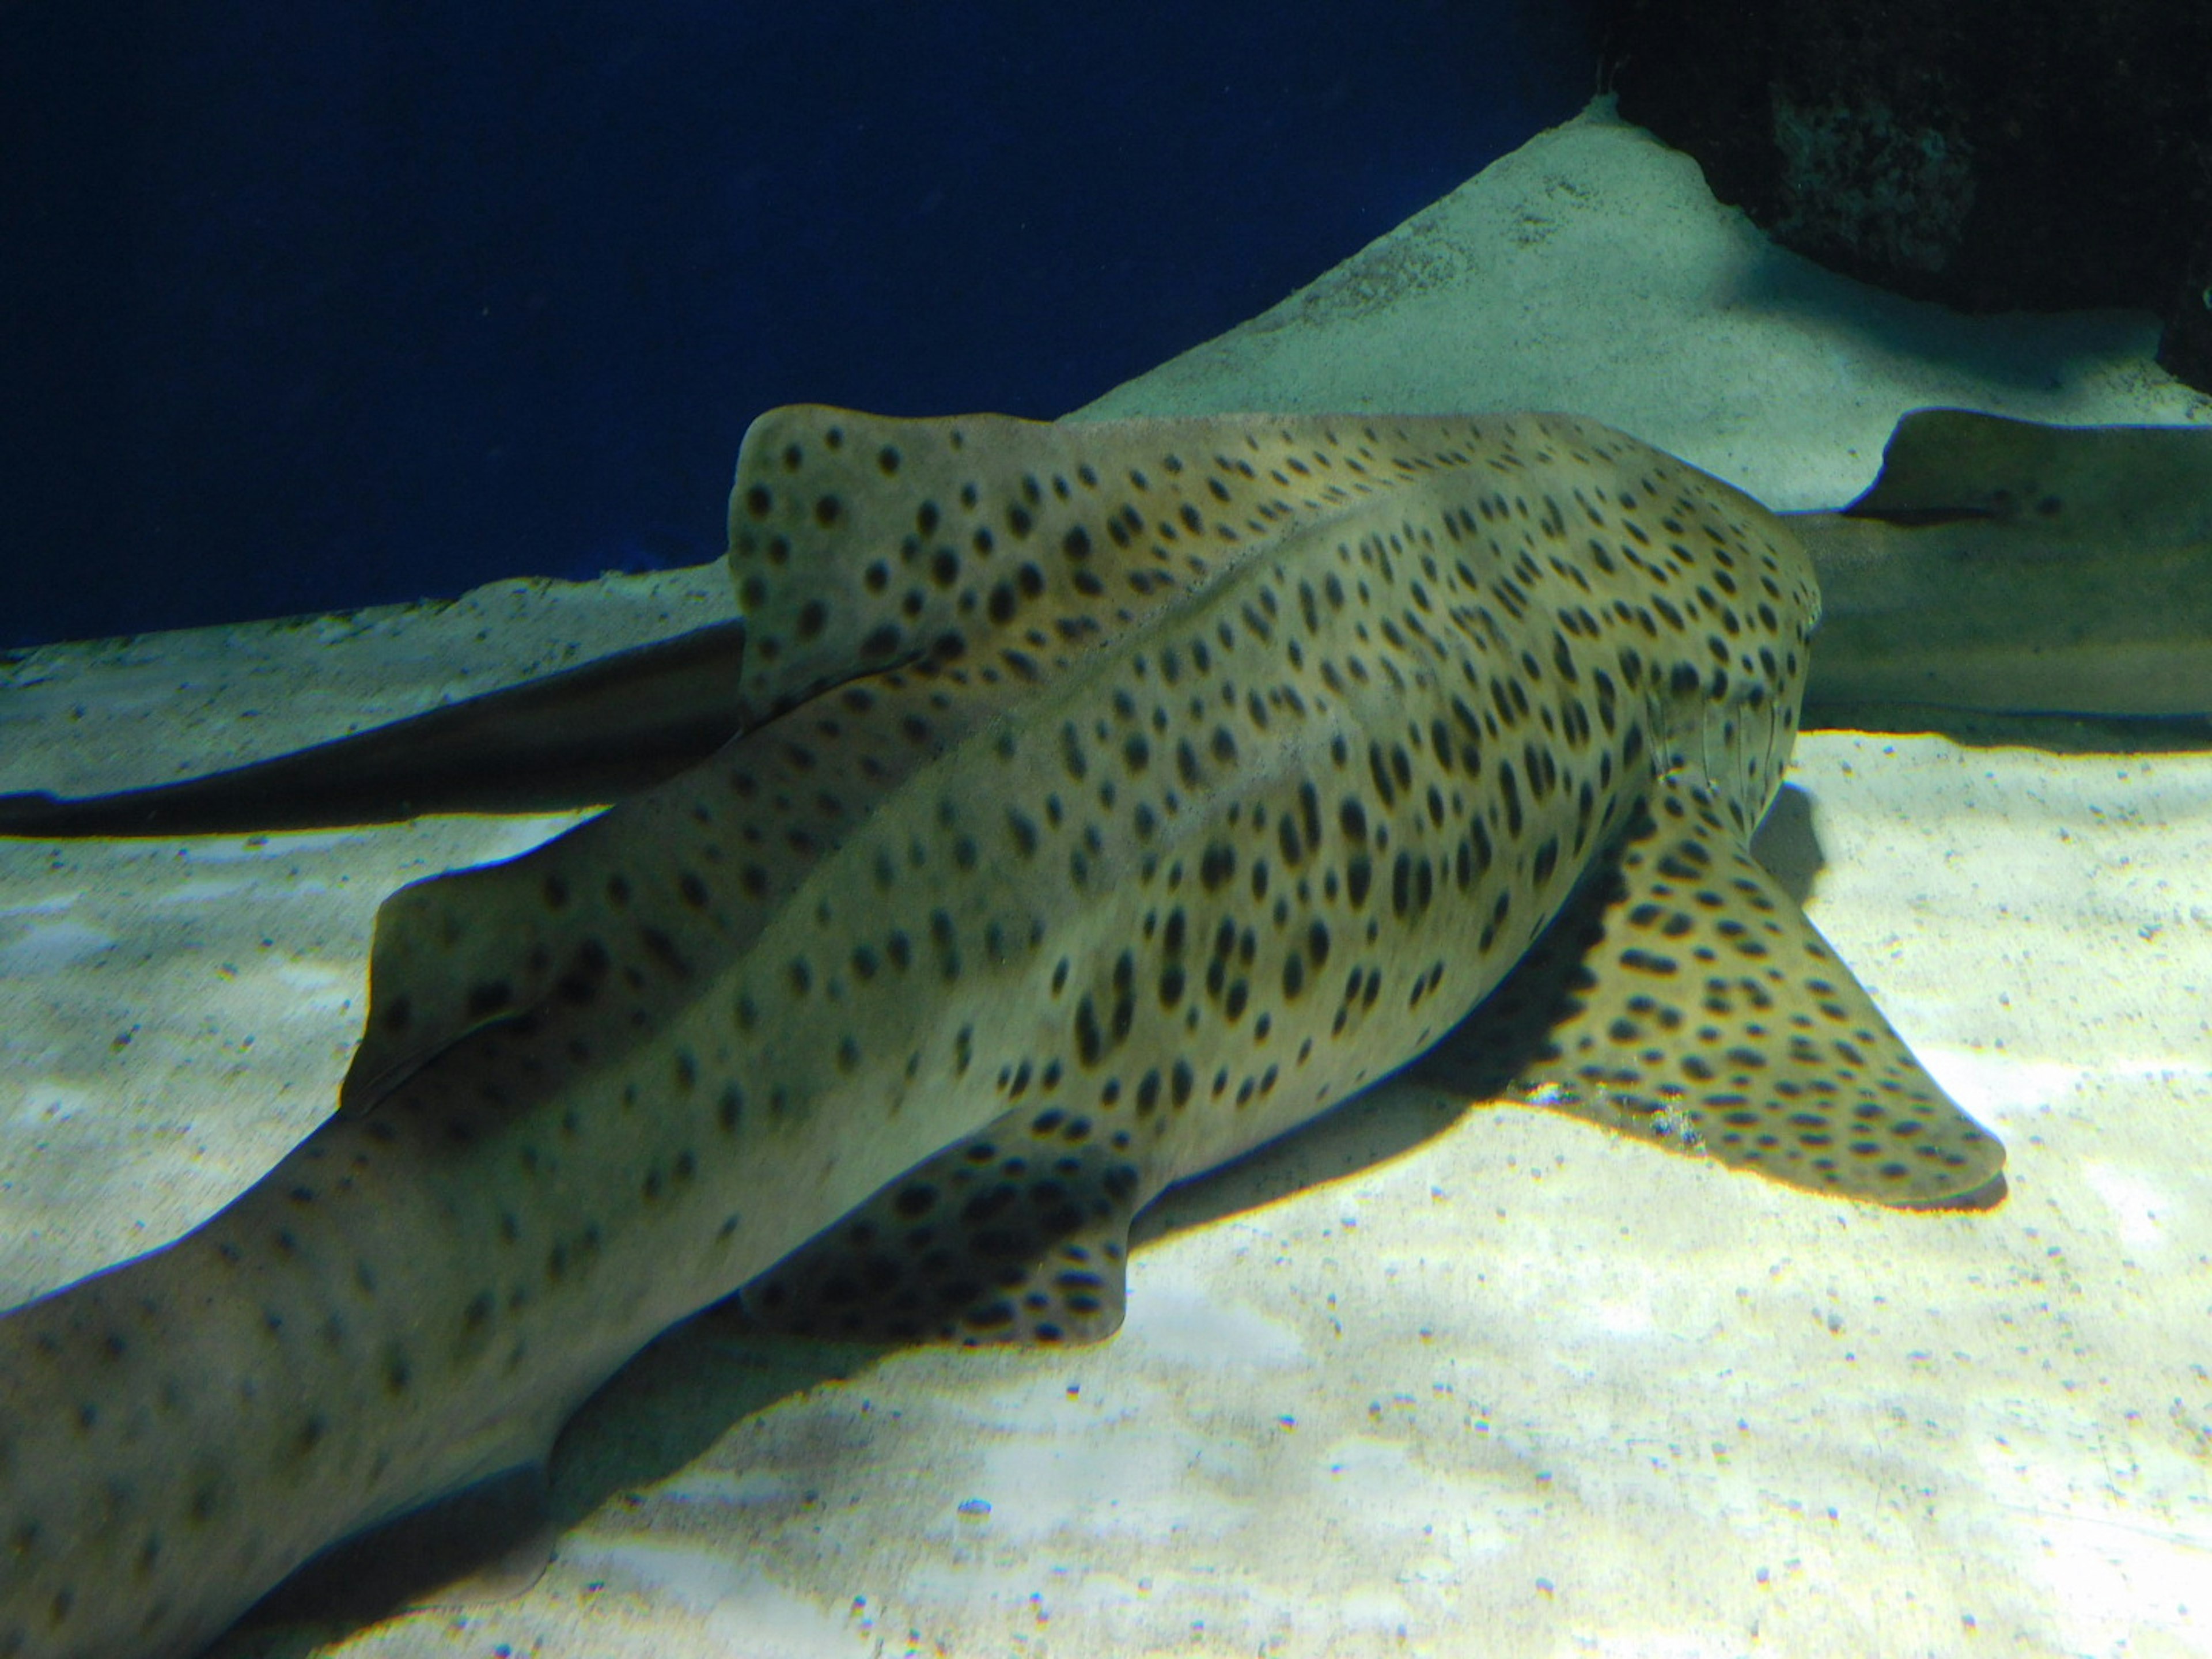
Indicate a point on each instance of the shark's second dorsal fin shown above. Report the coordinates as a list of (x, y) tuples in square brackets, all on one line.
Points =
[(657, 893), (1016, 1234), (1683, 998)]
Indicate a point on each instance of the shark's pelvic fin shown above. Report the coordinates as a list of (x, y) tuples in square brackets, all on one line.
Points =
[(1018, 1234)]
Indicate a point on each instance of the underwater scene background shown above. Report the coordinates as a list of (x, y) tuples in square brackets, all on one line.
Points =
[(342, 303), (1415, 1377)]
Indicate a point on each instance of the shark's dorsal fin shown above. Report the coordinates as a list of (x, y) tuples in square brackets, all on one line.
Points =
[(1017, 1234), (859, 541), (2019, 569), (925, 574), (1685, 1000)]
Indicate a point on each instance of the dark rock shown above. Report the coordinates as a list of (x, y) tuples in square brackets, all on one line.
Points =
[(2036, 155)]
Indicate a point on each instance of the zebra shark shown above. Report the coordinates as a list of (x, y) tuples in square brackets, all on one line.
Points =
[(1110, 801)]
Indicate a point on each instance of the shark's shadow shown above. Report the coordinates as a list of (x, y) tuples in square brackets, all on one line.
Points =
[(1975, 728), (596, 733)]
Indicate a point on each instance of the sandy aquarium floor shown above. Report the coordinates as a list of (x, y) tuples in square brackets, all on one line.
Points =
[(1423, 1381)]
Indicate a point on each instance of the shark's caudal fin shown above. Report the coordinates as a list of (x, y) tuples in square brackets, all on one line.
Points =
[(1018, 1233), (1683, 998)]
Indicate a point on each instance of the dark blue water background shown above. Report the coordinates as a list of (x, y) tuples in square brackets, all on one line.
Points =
[(330, 302)]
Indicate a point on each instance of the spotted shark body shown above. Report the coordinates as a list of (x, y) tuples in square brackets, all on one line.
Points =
[(1111, 799)]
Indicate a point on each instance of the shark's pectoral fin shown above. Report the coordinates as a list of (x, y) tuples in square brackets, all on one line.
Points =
[(1013, 1235), (1683, 998)]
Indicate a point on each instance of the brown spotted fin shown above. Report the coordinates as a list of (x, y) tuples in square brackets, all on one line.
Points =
[(859, 542), (1019, 1233), (1683, 999)]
